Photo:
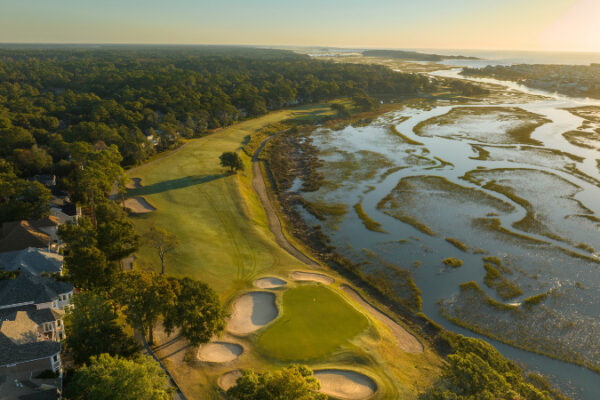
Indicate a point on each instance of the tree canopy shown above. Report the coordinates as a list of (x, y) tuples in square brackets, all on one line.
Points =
[(292, 383), (19, 198), (231, 160), (143, 100), (93, 328), (106, 378)]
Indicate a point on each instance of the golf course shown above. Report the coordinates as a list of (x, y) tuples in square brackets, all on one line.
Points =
[(282, 308)]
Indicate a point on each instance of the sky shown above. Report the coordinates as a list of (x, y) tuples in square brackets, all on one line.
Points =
[(547, 25)]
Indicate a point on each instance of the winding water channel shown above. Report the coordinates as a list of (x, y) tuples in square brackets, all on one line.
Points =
[(560, 179)]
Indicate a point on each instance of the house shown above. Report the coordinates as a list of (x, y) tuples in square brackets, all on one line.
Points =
[(31, 323), (32, 260), (64, 210), (19, 235)]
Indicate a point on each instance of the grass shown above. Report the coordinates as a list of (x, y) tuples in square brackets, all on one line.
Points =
[(404, 138), (367, 221), (226, 242), (217, 217), (315, 323), (452, 262), (458, 244)]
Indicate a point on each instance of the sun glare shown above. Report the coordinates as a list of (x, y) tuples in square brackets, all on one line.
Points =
[(578, 29)]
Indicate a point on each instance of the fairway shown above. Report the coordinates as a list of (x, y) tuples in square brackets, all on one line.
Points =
[(217, 217), (315, 322)]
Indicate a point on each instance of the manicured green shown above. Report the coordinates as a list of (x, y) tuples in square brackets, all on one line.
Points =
[(315, 322)]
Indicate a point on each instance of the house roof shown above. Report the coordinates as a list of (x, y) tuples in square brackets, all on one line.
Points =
[(20, 235), (30, 288), (11, 353), (33, 260)]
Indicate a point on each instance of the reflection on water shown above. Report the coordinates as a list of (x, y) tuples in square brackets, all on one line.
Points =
[(551, 199)]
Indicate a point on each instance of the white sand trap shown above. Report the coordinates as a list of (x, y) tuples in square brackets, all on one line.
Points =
[(345, 384), (405, 340), (139, 205), (269, 282), (311, 276), (228, 379), (219, 352), (251, 312)]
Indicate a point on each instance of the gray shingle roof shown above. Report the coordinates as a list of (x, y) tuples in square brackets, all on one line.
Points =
[(33, 260), (37, 316), (26, 288), (11, 353)]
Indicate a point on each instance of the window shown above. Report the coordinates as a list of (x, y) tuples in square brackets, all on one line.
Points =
[(47, 326)]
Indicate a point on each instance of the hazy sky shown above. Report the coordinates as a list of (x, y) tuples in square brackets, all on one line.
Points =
[(476, 24)]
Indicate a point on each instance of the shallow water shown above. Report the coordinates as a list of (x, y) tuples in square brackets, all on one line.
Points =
[(558, 199)]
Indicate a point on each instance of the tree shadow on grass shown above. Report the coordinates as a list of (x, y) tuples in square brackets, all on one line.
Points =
[(174, 184)]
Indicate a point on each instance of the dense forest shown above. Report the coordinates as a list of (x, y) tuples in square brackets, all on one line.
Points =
[(144, 99)]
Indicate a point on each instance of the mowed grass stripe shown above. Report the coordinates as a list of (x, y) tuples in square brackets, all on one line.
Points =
[(217, 217), (315, 322)]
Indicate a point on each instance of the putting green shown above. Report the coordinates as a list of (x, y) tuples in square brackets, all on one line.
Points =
[(315, 322)]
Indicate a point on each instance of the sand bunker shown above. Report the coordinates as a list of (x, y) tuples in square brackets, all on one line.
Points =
[(406, 341), (344, 384), (228, 379), (269, 282), (219, 352), (134, 183), (251, 312), (311, 276), (138, 205)]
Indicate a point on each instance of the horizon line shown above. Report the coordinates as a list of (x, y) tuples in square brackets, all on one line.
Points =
[(275, 46)]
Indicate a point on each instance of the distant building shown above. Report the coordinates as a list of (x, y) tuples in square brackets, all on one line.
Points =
[(63, 209), (32, 260), (31, 323), (47, 180)]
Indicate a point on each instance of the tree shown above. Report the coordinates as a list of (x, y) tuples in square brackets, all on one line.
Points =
[(364, 102), (144, 297), (292, 383), (231, 160), (341, 110), (98, 172), (19, 198), (115, 233), (197, 311), (93, 328), (107, 377), (87, 266), (163, 241)]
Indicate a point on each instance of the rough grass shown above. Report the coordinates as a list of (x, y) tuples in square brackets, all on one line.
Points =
[(367, 221), (315, 322), (457, 243), (404, 138), (452, 262)]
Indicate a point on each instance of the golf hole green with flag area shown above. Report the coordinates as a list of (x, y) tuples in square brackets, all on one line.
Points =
[(314, 323)]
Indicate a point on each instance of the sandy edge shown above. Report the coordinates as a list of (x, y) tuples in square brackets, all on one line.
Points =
[(219, 352), (228, 379), (252, 311), (269, 282), (346, 384), (311, 276)]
